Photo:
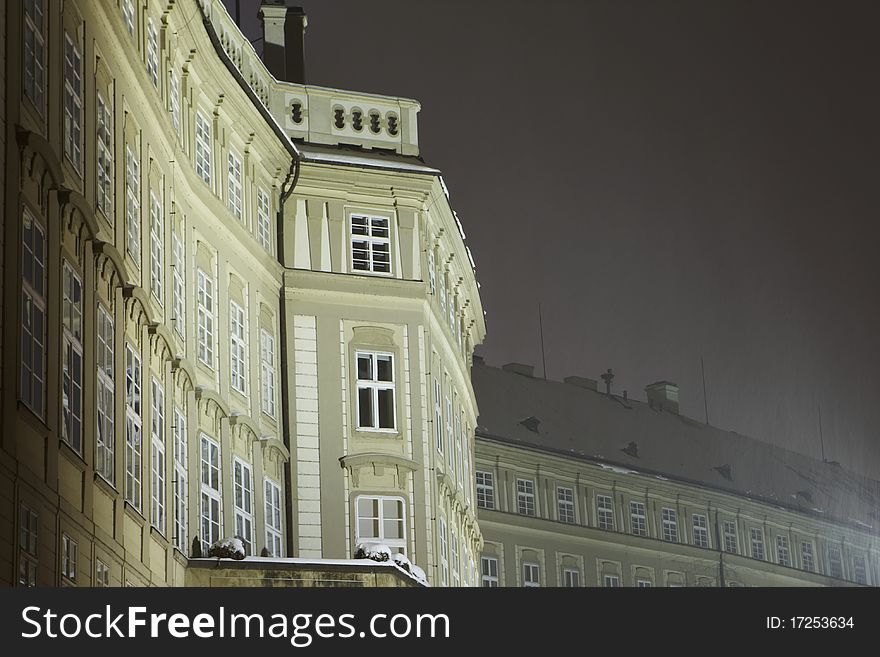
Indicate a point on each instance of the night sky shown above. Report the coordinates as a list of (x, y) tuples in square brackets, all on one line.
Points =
[(669, 180)]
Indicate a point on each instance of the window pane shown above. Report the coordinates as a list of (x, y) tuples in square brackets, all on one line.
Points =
[(386, 409), (365, 408), (384, 369)]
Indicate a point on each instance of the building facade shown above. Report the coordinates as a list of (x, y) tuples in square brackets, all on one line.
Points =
[(234, 304), (577, 487)]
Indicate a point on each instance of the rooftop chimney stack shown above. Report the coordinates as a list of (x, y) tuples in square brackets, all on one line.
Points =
[(663, 395), (284, 29), (608, 377)]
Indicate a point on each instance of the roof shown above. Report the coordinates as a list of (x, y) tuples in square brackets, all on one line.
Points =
[(364, 158), (586, 424)]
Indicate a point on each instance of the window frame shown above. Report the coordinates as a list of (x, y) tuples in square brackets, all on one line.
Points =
[(638, 521), (571, 578), (69, 558), (72, 348), (104, 185), (487, 579), (605, 513), (157, 248), (152, 52), (374, 385), (33, 41), (730, 535), (267, 373), (238, 348), (264, 220), (158, 502), (669, 520), (32, 376), (133, 204), (565, 508), (400, 544), (274, 508), (178, 285), (235, 185), (180, 537), (526, 500), (133, 427), (485, 489), (371, 242), (208, 492), (73, 102), (105, 396), (808, 555), (205, 301), (531, 574), (204, 149), (757, 548), (243, 502)]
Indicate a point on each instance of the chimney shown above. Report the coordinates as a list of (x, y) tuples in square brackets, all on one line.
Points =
[(608, 377), (284, 28), (519, 368), (663, 396), (581, 382)]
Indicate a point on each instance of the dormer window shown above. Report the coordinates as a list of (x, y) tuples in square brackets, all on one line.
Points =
[(370, 244)]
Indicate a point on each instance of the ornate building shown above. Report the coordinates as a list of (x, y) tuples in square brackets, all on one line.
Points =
[(235, 304), (577, 487)]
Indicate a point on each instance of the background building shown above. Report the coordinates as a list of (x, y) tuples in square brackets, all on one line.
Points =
[(578, 487)]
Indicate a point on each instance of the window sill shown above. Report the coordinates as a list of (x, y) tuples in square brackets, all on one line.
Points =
[(136, 515), (159, 536), (30, 416), (378, 433), (104, 484), (75, 458)]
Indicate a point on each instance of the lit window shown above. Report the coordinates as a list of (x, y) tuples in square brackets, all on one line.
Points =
[(638, 522), (670, 525), (375, 391), (489, 569), (444, 557), (205, 308), (133, 204), (835, 562), (104, 154), (181, 524), (132, 427), (106, 396), (211, 493), (525, 497), (604, 512), (611, 581), (157, 434), (264, 235), (152, 53), (267, 372), (244, 503), (701, 530), (783, 554), (178, 285), (233, 185), (370, 244), (237, 348), (571, 578), (757, 542), (274, 531), (381, 520), (565, 504), (531, 574), (73, 116), (174, 100), (485, 490), (35, 53), (730, 541), (204, 148), (33, 314), (68, 557), (157, 247), (102, 574), (72, 375)]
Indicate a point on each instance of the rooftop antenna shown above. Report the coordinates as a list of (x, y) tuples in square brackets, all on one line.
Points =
[(541, 327), (705, 400)]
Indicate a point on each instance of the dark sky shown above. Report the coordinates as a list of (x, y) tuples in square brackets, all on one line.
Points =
[(669, 180)]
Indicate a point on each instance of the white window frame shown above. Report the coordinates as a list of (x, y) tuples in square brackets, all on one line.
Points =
[(178, 285), (234, 189), (531, 574), (371, 245), (450, 435), (102, 574), (808, 556), (267, 372), (783, 551), (205, 312), (611, 581), (860, 569), (571, 578), (444, 554), (133, 427), (264, 220), (73, 102), (489, 572), (485, 481), (756, 543), (152, 53), (526, 503), (459, 455), (133, 205), (157, 248), (375, 386), (644, 583), (210, 492), (669, 518), (174, 99), (204, 149), (238, 348), (700, 530), (69, 557), (105, 462), (396, 544), (104, 155), (128, 15), (33, 315), (34, 59), (157, 454), (72, 357), (243, 500), (454, 560), (432, 273), (565, 510), (438, 415), (274, 518), (835, 557), (28, 547), (731, 537), (638, 520), (181, 512), (605, 512)]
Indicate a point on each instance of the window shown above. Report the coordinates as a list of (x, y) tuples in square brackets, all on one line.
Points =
[(571, 578), (72, 375), (382, 520), (157, 433), (525, 497), (157, 247), (450, 437), (432, 273), (757, 542), (174, 100), (274, 531), (35, 53), (233, 185), (438, 415), (730, 541), (204, 148), (68, 557), (28, 530), (638, 522), (468, 482), (807, 560), (244, 503), (128, 15), (178, 285), (531, 574), (133, 204), (701, 530), (33, 314), (611, 581), (237, 348), (211, 493), (152, 53), (104, 154), (453, 557), (73, 116), (860, 571), (644, 583), (485, 490), (489, 569), (106, 396), (670, 525), (264, 235), (565, 504), (205, 308), (443, 292), (835, 562), (783, 554), (102, 574), (267, 372), (444, 558), (132, 427), (458, 450), (605, 512), (181, 524), (370, 244), (375, 391)]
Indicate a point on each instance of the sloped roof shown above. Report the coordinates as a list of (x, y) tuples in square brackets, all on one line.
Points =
[(569, 420)]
